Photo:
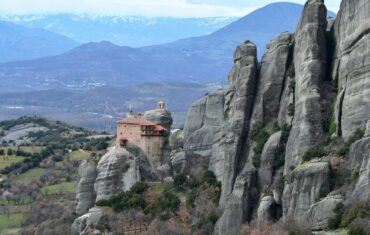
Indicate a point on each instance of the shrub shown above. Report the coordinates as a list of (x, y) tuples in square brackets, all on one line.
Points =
[(132, 199), (179, 181), (209, 178), (261, 140), (9, 152), (103, 223), (125, 168), (164, 205), (356, 211), (357, 135), (2, 152), (345, 217), (312, 153), (139, 188), (190, 198), (212, 217)]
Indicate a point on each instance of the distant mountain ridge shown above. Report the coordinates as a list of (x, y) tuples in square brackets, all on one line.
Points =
[(186, 60), (21, 43), (133, 31)]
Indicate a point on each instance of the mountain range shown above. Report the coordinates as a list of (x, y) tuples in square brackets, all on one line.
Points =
[(133, 31), (20, 43)]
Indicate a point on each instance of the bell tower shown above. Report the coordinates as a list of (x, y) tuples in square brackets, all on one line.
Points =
[(161, 105)]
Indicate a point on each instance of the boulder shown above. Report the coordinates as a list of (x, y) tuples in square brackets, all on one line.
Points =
[(160, 117), (351, 65), (119, 169), (266, 170), (265, 212), (360, 163), (320, 212), (310, 70), (303, 186), (85, 224), (86, 195)]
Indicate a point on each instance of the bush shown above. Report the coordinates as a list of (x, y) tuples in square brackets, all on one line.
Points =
[(132, 199), (164, 205), (9, 152), (261, 140), (212, 217), (139, 188), (357, 135), (125, 168), (345, 217), (190, 198), (312, 153), (179, 181), (2, 152)]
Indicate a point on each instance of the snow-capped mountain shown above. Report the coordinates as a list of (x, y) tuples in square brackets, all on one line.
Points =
[(134, 31)]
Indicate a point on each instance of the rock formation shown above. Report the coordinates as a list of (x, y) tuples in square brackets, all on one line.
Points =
[(351, 69), (113, 175), (310, 70), (86, 195)]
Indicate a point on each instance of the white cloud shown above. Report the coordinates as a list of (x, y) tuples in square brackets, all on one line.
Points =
[(175, 8)]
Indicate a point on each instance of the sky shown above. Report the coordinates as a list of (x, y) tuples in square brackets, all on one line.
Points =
[(150, 8)]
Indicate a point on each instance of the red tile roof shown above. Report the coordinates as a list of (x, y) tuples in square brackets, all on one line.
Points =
[(142, 122)]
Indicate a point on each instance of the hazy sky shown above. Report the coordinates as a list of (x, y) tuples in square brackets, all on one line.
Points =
[(176, 8)]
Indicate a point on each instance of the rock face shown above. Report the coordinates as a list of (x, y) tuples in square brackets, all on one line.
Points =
[(303, 187), (201, 135), (265, 211), (271, 80), (310, 70), (84, 223), (319, 213), (352, 65), (237, 112), (204, 119), (86, 195), (160, 117), (113, 177), (266, 170), (360, 163)]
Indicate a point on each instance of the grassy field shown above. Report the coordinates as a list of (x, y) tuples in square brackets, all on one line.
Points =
[(10, 160), (57, 188), (14, 221), (28, 149), (79, 155), (30, 175)]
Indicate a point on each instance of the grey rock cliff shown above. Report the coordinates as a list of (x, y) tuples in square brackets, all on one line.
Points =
[(85, 190), (351, 66), (112, 176), (160, 117), (310, 70), (320, 212), (237, 112), (271, 80), (303, 186), (360, 163), (202, 135), (266, 170), (265, 210)]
